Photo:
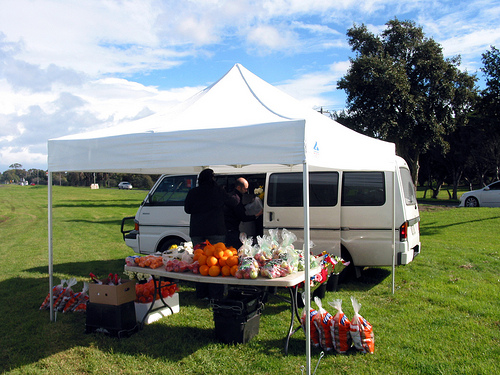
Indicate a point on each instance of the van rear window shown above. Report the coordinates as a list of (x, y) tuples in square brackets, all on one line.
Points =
[(285, 189), (363, 189), (172, 191), (408, 187)]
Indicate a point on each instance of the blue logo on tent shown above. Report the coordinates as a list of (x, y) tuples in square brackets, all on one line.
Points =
[(316, 148)]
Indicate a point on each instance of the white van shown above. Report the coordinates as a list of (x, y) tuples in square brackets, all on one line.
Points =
[(351, 213)]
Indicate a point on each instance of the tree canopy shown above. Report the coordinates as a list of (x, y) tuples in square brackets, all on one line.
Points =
[(401, 89)]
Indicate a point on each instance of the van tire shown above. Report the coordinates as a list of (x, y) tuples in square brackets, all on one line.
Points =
[(168, 242), (349, 272)]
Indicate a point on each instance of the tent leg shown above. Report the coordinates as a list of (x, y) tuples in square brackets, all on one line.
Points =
[(307, 286), (51, 282)]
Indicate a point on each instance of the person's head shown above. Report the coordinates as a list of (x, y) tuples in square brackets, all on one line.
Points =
[(241, 185), (206, 177)]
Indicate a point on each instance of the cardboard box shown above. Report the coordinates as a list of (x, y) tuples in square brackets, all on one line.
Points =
[(112, 294), (161, 311)]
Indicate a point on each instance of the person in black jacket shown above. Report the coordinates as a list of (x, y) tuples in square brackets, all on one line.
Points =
[(205, 203), (234, 213)]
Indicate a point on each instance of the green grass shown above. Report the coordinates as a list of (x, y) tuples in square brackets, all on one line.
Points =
[(443, 318)]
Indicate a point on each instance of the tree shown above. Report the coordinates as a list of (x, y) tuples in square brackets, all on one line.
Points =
[(401, 89), (489, 109)]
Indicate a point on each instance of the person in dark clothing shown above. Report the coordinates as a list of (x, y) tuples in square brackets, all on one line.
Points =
[(205, 203), (234, 214)]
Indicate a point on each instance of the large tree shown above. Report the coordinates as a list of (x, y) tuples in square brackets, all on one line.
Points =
[(401, 89)]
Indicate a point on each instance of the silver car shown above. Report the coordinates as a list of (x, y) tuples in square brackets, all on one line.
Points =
[(488, 196), (124, 185)]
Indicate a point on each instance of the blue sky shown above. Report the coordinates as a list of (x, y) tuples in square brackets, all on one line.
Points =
[(72, 66)]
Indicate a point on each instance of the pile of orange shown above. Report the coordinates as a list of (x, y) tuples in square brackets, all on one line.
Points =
[(217, 260)]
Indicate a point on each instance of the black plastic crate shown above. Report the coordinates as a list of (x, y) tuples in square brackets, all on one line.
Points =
[(114, 320), (237, 328), (237, 317), (239, 301)]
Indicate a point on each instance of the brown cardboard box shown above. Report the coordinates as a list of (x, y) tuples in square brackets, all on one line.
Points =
[(112, 294)]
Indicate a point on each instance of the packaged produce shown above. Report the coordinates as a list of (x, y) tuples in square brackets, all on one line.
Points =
[(323, 326), (313, 317), (276, 268), (248, 269), (64, 295), (145, 292), (340, 328), (77, 299), (56, 290), (361, 331), (150, 261)]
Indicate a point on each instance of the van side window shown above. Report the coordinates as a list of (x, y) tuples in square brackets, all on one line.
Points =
[(408, 187), (363, 189), (172, 191), (285, 189)]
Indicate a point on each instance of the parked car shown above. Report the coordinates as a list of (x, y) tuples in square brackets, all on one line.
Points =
[(488, 196), (124, 185)]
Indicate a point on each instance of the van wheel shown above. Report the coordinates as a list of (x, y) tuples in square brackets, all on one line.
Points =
[(347, 273), (168, 243)]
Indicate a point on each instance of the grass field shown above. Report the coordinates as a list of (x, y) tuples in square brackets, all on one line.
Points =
[(444, 317)]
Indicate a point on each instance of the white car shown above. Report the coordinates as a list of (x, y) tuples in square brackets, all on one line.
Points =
[(488, 196), (125, 185)]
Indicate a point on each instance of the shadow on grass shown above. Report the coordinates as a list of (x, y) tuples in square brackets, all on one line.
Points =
[(28, 335)]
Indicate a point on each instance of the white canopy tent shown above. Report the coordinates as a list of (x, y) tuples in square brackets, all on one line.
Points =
[(240, 122)]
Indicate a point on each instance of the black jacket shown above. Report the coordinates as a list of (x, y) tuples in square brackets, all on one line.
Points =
[(234, 214), (205, 204)]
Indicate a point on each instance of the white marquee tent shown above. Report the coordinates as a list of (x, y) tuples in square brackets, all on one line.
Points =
[(240, 121)]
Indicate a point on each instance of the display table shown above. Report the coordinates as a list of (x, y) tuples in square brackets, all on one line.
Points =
[(291, 282)]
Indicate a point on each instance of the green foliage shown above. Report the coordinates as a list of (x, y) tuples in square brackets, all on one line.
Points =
[(401, 89), (442, 319)]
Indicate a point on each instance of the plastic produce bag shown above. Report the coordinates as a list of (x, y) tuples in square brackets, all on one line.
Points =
[(324, 325), (361, 331), (313, 316), (254, 207), (340, 329)]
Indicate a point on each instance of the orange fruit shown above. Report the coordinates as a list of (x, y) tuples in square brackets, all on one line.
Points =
[(220, 245), (209, 250), (199, 252), (228, 253), (218, 253), (222, 261), (225, 271), (232, 261), (212, 261), (204, 270), (195, 257), (214, 271), (233, 270), (202, 259)]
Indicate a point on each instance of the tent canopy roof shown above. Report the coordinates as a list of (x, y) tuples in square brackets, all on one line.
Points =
[(240, 120)]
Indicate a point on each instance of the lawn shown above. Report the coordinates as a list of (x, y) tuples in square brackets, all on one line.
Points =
[(443, 318)]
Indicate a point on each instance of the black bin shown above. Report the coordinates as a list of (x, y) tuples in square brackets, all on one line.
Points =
[(118, 321), (237, 317)]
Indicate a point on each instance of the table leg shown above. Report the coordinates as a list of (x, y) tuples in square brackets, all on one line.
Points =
[(157, 290), (294, 314)]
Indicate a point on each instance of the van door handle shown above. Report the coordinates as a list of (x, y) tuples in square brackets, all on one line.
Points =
[(271, 216)]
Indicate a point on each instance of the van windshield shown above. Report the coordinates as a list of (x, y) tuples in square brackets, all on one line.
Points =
[(172, 191), (408, 187)]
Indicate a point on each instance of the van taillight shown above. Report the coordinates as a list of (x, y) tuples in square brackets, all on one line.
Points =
[(403, 231), (136, 226)]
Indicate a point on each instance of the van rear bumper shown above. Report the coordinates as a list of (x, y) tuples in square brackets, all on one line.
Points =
[(405, 257)]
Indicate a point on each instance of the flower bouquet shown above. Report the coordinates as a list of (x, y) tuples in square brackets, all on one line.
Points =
[(334, 266)]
